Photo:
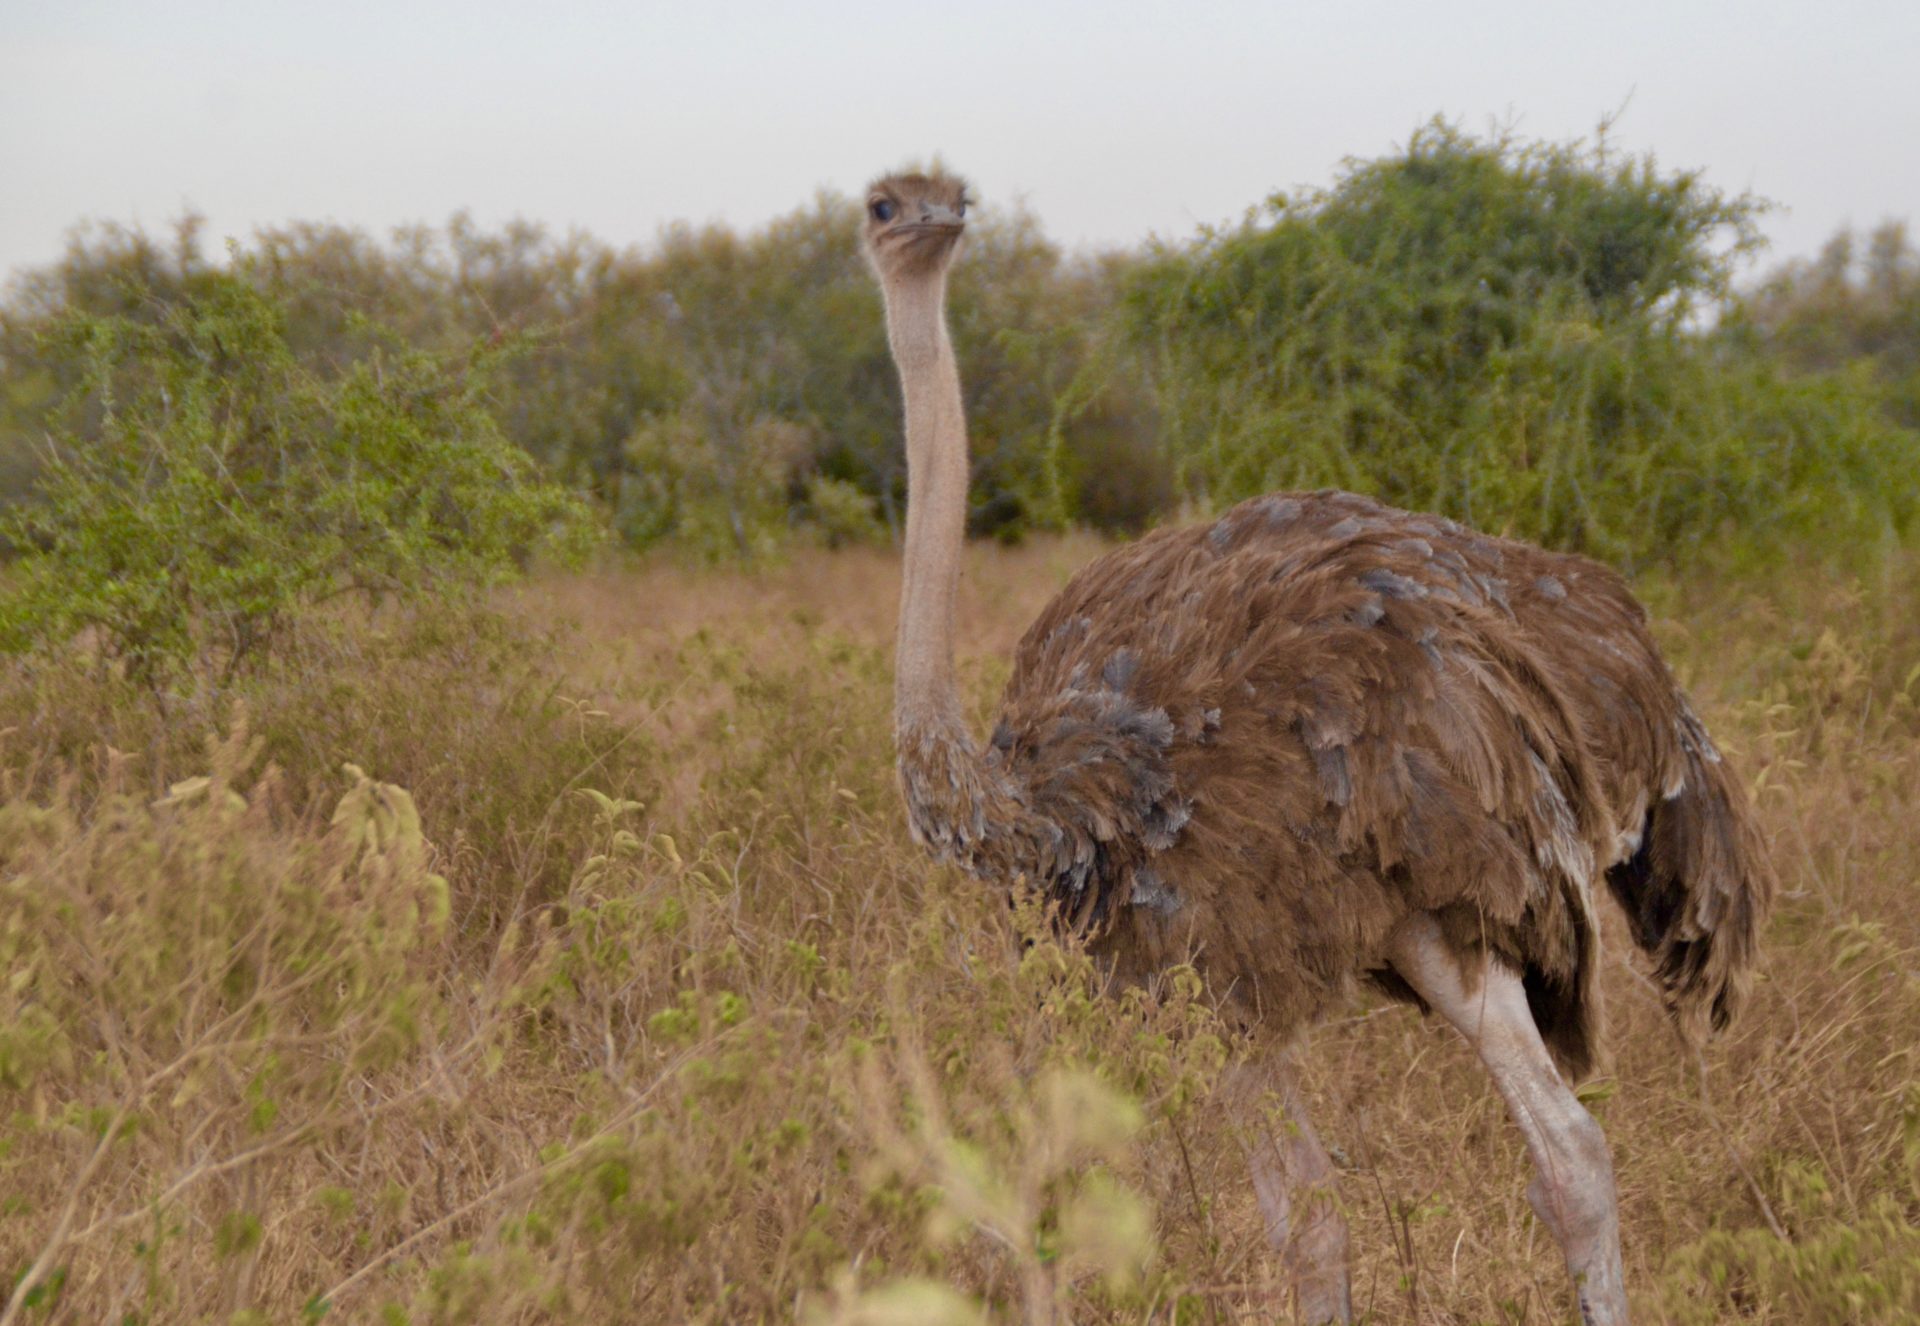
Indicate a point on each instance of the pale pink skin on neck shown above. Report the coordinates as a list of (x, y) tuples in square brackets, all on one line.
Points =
[(956, 800), (926, 702)]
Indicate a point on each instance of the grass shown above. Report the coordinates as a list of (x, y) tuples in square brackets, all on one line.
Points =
[(613, 990)]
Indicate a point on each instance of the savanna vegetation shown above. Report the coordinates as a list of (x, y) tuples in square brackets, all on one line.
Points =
[(452, 869)]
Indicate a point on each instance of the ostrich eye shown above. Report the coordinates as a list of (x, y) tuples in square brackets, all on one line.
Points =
[(882, 210), (960, 208)]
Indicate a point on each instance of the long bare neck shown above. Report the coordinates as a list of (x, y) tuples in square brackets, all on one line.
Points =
[(925, 700), (955, 801)]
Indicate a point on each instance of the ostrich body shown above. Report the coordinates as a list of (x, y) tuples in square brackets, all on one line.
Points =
[(1321, 742)]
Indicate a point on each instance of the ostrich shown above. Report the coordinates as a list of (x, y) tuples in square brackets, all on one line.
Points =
[(1320, 742)]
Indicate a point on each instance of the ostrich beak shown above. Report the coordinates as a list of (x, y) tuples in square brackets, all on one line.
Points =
[(937, 216)]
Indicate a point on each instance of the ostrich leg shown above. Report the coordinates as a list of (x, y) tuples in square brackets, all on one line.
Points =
[(1293, 1179), (1572, 1189)]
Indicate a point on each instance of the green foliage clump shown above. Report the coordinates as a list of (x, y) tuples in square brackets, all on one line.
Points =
[(841, 514), (718, 391), (774, 397), (717, 491), (1504, 332), (205, 484), (1850, 311), (1541, 339), (1835, 1272)]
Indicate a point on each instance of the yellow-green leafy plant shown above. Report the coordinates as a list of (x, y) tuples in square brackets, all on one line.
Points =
[(206, 485)]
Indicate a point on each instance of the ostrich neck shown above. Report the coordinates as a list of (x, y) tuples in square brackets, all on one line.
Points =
[(955, 802), (926, 703)]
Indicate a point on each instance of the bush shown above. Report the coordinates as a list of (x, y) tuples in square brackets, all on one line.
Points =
[(718, 490), (1850, 310), (648, 377), (1504, 332), (206, 486), (841, 513)]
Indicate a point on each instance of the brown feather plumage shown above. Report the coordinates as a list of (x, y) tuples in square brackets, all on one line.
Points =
[(1261, 743)]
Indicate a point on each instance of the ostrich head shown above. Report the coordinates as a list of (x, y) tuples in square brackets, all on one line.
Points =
[(914, 223)]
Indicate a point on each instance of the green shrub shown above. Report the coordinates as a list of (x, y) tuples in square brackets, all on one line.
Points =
[(208, 485), (1835, 1272), (718, 487), (653, 378), (841, 513), (1850, 310), (1504, 332)]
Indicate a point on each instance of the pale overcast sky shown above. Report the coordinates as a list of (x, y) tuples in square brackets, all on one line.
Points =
[(1114, 120)]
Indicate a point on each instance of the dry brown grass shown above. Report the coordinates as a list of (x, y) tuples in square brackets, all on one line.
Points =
[(700, 1036)]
